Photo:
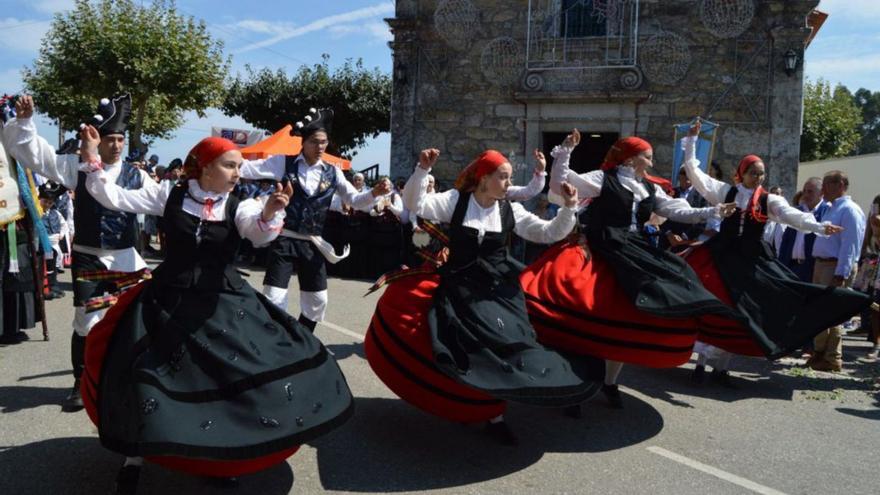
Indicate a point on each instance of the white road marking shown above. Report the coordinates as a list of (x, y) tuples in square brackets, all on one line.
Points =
[(342, 330), (724, 475)]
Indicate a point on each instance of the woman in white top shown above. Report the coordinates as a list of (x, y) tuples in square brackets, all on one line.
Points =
[(612, 294), (458, 343), (778, 312), (193, 369)]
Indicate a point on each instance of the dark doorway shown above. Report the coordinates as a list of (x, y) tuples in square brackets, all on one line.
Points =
[(587, 156)]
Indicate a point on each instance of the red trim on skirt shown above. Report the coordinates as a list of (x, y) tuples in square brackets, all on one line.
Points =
[(96, 348), (715, 330), (576, 305), (398, 348)]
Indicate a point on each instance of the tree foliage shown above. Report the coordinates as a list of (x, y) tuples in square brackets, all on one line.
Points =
[(831, 122), (869, 103), (360, 98), (167, 62)]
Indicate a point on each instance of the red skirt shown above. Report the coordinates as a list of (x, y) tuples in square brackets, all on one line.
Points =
[(576, 305), (96, 348), (398, 348), (720, 332)]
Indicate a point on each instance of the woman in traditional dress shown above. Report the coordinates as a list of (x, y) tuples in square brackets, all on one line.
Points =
[(193, 369), (611, 294), (457, 343), (778, 313)]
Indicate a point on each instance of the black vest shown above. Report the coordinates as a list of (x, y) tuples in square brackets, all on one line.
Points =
[(464, 246), (741, 224), (306, 213), (612, 209), (205, 262), (100, 227)]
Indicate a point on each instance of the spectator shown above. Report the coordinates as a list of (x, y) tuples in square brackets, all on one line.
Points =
[(56, 227), (796, 247), (868, 278), (836, 259)]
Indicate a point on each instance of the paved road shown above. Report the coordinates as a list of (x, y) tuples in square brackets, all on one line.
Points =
[(785, 430)]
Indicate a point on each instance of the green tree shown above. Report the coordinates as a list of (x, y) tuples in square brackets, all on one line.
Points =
[(831, 122), (167, 62), (869, 103), (360, 99)]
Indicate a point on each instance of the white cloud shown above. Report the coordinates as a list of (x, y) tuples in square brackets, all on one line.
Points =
[(10, 81), (861, 10), (22, 35), (52, 6), (376, 30), (377, 10), (854, 71), (262, 27)]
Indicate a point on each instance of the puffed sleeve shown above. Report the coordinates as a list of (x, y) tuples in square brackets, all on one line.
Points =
[(250, 224), (780, 211), (527, 192), (712, 189), (33, 152), (588, 185), (532, 228), (679, 210), (149, 200), (436, 207)]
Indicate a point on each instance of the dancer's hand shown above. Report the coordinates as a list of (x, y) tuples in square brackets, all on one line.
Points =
[(540, 162), (695, 128), (277, 201), (569, 194), (726, 209), (572, 139), (832, 229), (428, 157), (382, 188), (88, 147), (24, 107)]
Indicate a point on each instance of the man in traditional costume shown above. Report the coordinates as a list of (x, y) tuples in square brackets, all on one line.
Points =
[(104, 257)]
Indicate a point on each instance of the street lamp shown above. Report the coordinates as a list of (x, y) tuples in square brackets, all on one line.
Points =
[(790, 58)]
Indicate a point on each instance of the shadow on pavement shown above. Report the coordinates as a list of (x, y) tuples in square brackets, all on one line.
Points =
[(79, 465), (390, 446), (14, 399), (343, 351), (46, 375)]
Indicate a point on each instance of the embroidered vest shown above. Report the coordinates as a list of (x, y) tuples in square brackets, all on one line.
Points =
[(306, 213), (100, 227)]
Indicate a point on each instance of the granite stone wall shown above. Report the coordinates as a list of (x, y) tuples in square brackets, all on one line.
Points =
[(466, 78)]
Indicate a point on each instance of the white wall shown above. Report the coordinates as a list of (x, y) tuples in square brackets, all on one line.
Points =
[(863, 172)]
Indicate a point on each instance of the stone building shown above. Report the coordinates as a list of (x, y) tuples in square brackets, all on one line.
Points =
[(518, 75)]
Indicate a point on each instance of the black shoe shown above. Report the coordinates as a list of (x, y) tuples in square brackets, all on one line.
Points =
[(502, 433), (74, 401), (699, 374), (574, 412), (612, 393), (722, 377), (127, 480), (14, 338), (309, 324)]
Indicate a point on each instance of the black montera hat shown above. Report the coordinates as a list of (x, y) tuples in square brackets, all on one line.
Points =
[(316, 120), (50, 190), (112, 116)]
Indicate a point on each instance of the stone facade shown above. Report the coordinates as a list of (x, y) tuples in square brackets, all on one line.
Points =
[(470, 75)]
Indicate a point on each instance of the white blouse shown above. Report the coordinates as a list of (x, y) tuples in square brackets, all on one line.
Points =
[(248, 216), (715, 192), (439, 207), (589, 185)]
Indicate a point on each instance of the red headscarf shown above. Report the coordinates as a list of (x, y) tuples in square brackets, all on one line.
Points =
[(626, 148), (486, 163), (210, 148), (754, 208)]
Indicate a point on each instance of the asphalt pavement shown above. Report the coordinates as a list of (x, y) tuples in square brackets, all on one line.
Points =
[(785, 429)]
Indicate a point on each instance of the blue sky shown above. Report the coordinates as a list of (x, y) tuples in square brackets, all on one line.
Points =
[(287, 34)]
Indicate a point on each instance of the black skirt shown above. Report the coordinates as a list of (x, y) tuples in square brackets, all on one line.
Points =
[(481, 336), (215, 374)]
